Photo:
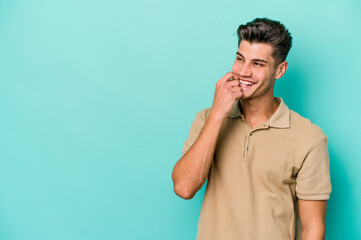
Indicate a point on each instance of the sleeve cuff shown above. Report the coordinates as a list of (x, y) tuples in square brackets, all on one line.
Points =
[(323, 196)]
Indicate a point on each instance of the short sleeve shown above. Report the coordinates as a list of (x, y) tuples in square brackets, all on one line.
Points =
[(313, 180), (194, 131)]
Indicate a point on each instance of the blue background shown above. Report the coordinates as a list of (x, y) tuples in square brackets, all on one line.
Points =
[(97, 98)]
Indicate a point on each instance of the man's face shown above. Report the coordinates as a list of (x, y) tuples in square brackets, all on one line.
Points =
[(256, 67)]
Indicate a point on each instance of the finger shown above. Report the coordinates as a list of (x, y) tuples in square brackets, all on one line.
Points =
[(226, 77), (237, 95), (236, 89), (232, 83), (236, 76)]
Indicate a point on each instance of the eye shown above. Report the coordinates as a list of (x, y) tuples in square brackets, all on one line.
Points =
[(239, 59), (258, 64)]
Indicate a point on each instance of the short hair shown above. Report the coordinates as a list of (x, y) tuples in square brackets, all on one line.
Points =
[(264, 30)]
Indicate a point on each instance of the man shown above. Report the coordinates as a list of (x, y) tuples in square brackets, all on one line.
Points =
[(265, 163)]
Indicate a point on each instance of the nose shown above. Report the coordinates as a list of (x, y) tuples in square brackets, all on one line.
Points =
[(245, 70)]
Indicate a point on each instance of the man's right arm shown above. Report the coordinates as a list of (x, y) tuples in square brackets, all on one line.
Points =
[(191, 170)]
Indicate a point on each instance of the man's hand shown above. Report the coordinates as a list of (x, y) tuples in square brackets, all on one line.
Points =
[(227, 91)]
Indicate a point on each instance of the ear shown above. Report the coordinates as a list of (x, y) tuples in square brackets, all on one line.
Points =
[(281, 69)]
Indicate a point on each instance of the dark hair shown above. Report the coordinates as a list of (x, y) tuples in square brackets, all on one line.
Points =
[(264, 30)]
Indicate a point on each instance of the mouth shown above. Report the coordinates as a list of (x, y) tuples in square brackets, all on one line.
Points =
[(246, 83)]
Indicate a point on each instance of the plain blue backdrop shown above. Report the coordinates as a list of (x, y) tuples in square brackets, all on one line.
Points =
[(97, 98)]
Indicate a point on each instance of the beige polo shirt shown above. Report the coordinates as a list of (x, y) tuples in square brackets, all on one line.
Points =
[(258, 174)]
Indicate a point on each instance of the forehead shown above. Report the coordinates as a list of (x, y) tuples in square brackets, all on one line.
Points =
[(256, 50)]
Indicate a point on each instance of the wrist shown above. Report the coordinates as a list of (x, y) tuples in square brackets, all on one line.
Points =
[(216, 117)]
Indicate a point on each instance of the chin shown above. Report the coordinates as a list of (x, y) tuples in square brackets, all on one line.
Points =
[(246, 96)]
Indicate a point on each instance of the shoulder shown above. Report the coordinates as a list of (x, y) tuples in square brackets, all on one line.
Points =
[(305, 128), (203, 114)]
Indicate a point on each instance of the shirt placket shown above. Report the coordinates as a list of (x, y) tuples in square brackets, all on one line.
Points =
[(249, 138)]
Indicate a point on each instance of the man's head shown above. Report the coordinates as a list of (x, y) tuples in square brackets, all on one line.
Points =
[(260, 60), (264, 30)]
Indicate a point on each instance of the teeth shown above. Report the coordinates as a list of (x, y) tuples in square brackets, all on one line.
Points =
[(245, 83)]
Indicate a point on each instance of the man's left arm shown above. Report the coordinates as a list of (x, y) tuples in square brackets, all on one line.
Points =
[(313, 188), (313, 218)]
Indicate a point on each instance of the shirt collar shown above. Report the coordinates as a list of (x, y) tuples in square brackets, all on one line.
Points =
[(280, 119)]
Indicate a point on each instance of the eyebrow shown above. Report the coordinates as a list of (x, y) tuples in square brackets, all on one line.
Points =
[(257, 60)]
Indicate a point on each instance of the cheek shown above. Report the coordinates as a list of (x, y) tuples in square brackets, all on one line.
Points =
[(235, 67), (261, 73)]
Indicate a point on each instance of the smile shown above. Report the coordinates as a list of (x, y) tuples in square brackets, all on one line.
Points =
[(246, 83)]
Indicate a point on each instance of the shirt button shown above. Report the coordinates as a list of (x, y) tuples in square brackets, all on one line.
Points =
[(248, 148)]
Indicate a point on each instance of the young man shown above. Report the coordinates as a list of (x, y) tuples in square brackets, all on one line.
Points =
[(265, 163)]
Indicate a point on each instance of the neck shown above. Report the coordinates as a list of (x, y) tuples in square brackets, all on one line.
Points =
[(257, 110)]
